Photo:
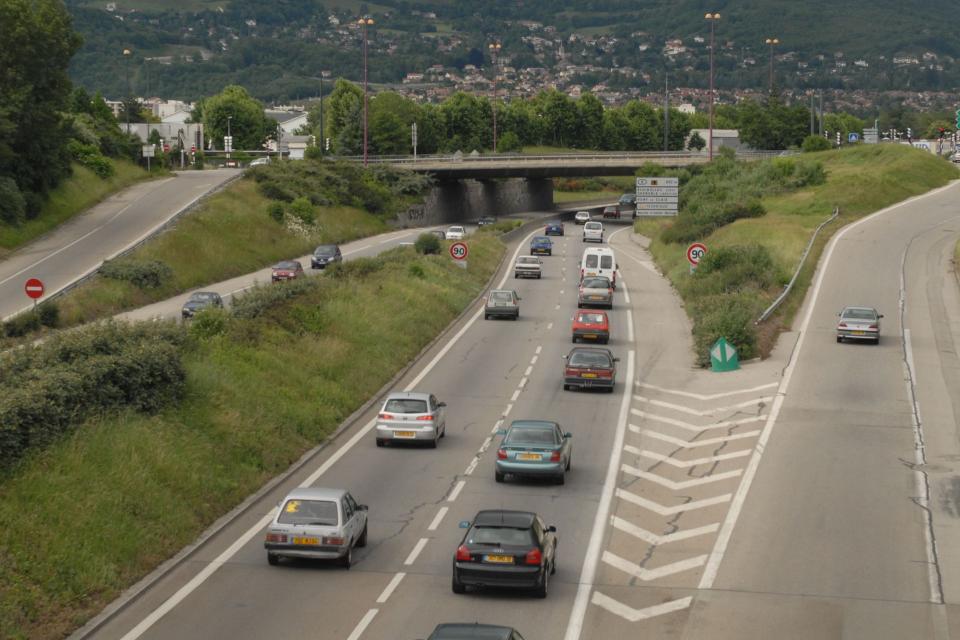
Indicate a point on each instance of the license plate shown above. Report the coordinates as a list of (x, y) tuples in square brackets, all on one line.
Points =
[(307, 541), (528, 456), (859, 333), (498, 559), (404, 434), (596, 297), (589, 375), (589, 335)]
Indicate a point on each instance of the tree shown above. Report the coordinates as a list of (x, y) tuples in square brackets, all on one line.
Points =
[(234, 110), (697, 143), (388, 135), (590, 117), (465, 121), (344, 117)]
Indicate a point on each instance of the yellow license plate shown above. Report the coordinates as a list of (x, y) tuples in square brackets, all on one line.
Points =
[(859, 333), (499, 559), (528, 456), (596, 297), (405, 434), (589, 335), (306, 541), (589, 375)]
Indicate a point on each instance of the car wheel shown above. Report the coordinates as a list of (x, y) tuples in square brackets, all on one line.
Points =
[(560, 479), (553, 563), (573, 339), (273, 559), (498, 476), (569, 463), (839, 339), (443, 432), (604, 340), (515, 276), (486, 316), (516, 316), (380, 442), (362, 541), (541, 591), (877, 341), (433, 443), (456, 585), (610, 389), (539, 275), (347, 560)]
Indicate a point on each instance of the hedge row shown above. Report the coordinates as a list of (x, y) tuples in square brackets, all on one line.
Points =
[(146, 274), (46, 391)]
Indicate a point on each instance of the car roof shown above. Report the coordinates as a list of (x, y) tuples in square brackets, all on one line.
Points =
[(330, 245), (455, 226), (859, 309), (597, 249), (205, 293), (536, 238), (545, 424), (593, 349), (285, 264), (408, 395), (466, 631), (315, 493), (502, 291), (504, 518)]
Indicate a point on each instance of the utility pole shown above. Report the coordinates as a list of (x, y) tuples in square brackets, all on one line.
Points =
[(364, 23), (494, 48), (820, 114), (323, 74), (712, 19), (811, 113), (666, 110)]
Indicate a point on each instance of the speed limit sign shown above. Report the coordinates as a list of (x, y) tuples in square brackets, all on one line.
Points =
[(458, 251), (695, 253)]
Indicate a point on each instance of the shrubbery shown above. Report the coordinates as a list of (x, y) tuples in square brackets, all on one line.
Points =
[(146, 274), (89, 156), (46, 315), (815, 143), (13, 206), (502, 226), (725, 315), (46, 391), (427, 243), (258, 300), (303, 209)]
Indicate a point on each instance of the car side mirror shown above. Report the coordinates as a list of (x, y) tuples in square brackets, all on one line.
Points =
[(568, 435), (552, 529), (564, 357), (464, 524), (441, 404), (362, 507), (616, 359), (881, 315)]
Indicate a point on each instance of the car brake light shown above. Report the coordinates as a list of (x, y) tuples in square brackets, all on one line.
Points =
[(333, 540), (555, 456), (843, 325), (501, 454), (605, 373), (429, 417), (276, 537), (571, 371), (386, 416), (873, 326), (533, 557), (463, 554)]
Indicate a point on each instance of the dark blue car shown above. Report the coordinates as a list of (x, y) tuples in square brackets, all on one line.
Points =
[(541, 246), (554, 229)]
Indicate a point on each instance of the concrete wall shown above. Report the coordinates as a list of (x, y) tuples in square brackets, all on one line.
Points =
[(466, 200)]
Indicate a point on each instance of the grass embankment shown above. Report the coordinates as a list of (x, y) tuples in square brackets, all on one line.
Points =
[(229, 235), (92, 513), (585, 189), (859, 180), (77, 193)]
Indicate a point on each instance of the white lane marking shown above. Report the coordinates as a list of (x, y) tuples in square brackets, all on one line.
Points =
[(457, 488), (506, 411), (589, 571), (528, 371), (486, 443), (363, 248), (549, 326), (523, 382), (708, 412), (533, 360), (437, 519), (695, 427), (471, 466), (647, 575), (198, 579), (417, 548), (712, 396), (630, 325), (626, 294), (683, 484), (649, 266), (388, 591), (385, 241), (516, 394), (539, 349), (636, 615), (557, 307), (657, 540), (686, 464), (339, 453), (496, 427), (692, 444), (658, 508), (363, 624)]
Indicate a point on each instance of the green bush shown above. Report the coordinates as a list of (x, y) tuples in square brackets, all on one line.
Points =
[(313, 152), (725, 315), (21, 325), (209, 322), (416, 270), (732, 269), (49, 314), (261, 298), (89, 156), (815, 143), (427, 244), (275, 211), (500, 227), (198, 159), (508, 142), (145, 274), (13, 206), (698, 223), (302, 208)]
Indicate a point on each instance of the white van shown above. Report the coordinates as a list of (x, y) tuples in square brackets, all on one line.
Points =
[(593, 231), (599, 261)]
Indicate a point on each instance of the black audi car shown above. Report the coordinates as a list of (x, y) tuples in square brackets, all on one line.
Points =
[(199, 301)]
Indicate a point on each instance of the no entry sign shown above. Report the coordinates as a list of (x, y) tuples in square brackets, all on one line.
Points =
[(458, 251), (33, 288)]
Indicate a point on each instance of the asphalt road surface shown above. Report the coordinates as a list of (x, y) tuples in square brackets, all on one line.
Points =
[(79, 246), (784, 500)]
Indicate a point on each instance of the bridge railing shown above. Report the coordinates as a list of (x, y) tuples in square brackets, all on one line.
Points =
[(597, 156)]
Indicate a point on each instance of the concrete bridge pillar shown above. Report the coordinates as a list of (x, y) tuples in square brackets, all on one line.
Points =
[(463, 200)]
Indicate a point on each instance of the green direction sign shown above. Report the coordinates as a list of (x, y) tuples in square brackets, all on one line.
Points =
[(723, 356), (958, 118)]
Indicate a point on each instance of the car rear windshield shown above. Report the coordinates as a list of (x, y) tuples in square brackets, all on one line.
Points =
[(528, 260), (541, 240), (589, 359), (593, 226), (592, 318), (592, 261), (596, 283), (322, 512), (531, 435), (287, 265), (203, 296), (326, 251), (501, 296), (406, 405), (500, 536), (606, 262), (859, 314)]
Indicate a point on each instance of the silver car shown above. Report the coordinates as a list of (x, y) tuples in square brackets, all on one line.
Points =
[(859, 323), (410, 416), (595, 291), (582, 217), (317, 523), (502, 303)]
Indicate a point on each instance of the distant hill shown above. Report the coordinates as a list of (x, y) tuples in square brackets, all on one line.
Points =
[(189, 48)]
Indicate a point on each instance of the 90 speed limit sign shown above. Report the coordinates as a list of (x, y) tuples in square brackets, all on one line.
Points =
[(459, 251), (695, 253)]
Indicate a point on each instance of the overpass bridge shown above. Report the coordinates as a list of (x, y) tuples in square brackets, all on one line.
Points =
[(561, 165)]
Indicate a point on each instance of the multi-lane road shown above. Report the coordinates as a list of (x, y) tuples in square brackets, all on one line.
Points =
[(811, 495)]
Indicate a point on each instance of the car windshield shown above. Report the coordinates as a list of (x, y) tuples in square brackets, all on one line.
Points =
[(455, 229), (326, 250), (860, 314), (501, 296), (606, 262), (323, 512), (406, 405), (531, 435), (593, 226), (596, 283), (592, 261), (528, 260), (541, 240), (203, 296), (292, 266), (589, 359), (591, 318), (500, 536)]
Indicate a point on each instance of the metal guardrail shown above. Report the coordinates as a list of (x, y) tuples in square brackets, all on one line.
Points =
[(786, 290), (557, 157)]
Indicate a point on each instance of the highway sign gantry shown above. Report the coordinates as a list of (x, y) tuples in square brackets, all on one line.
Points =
[(459, 251), (695, 253), (33, 288)]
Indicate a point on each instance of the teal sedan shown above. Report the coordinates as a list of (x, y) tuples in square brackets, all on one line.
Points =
[(533, 448)]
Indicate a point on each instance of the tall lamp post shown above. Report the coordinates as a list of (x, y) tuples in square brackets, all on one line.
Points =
[(771, 42), (126, 107), (712, 19), (364, 23), (323, 74), (494, 48)]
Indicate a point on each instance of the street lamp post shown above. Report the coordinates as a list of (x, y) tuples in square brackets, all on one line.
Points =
[(364, 23), (712, 19), (229, 146), (126, 107), (323, 74), (494, 48), (772, 42)]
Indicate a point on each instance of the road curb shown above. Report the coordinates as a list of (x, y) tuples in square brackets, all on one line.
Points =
[(133, 593)]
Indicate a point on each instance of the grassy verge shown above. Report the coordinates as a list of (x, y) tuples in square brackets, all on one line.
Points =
[(77, 193), (100, 508), (582, 189), (229, 235), (859, 180)]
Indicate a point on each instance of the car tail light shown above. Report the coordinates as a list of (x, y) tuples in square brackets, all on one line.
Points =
[(276, 537), (843, 325), (463, 554), (501, 454), (333, 540), (430, 417), (386, 416), (569, 371), (873, 326), (533, 557), (555, 456), (605, 373)]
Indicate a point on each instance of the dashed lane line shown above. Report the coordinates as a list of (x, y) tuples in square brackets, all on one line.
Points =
[(388, 591), (437, 519), (417, 548), (471, 466), (457, 488), (363, 624)]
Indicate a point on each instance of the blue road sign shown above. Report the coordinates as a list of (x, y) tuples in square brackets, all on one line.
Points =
[(853, 137)]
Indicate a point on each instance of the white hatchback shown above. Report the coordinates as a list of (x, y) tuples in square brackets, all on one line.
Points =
[(455, 233), (593, 231), (582, 217)]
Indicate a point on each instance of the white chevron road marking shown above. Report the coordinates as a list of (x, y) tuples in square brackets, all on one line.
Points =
[(686, 464), (652, 574), (658, 508), (696, 412), (683, 484), (712, 396), (636, 615), (652, 538), (691, 444), (696, 428)]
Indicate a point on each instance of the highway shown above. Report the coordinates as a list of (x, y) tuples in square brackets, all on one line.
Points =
[(79, 246), (787, 499)]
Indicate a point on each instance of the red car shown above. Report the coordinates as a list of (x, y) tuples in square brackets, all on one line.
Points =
[(613, 211), (591, 325), (287, 270)]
